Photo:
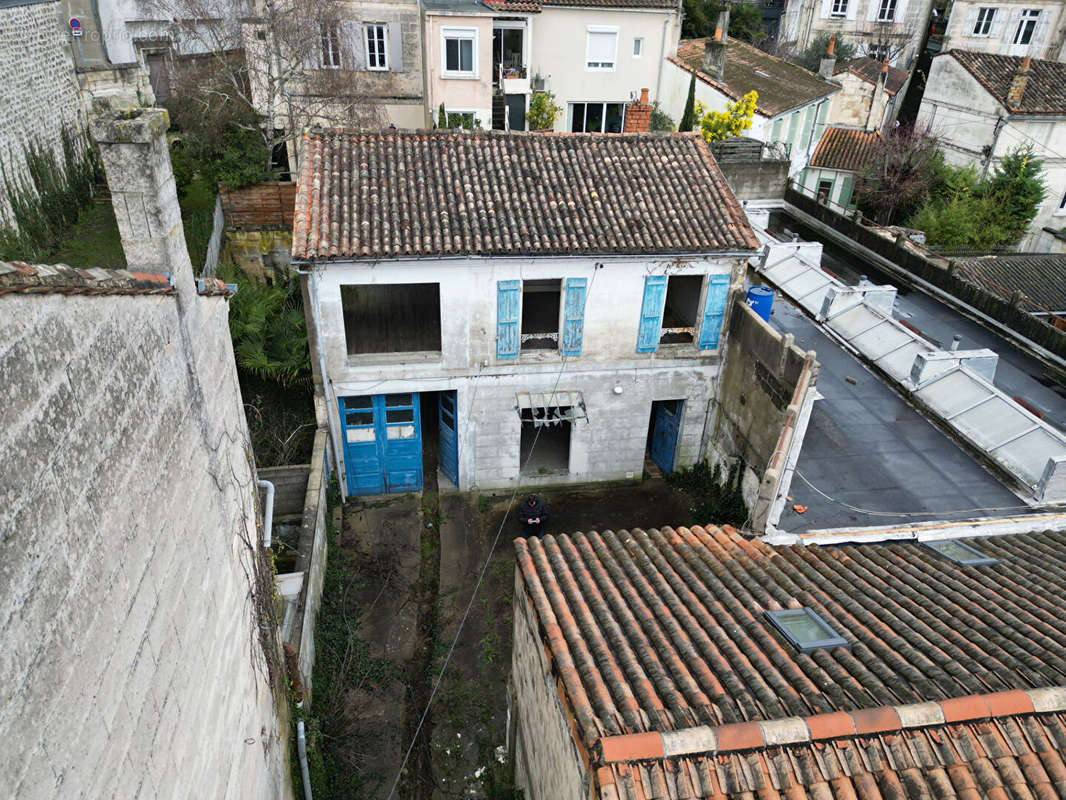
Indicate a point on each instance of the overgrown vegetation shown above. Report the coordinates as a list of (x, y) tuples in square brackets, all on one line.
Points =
[(688, 116), (226, 150), (660, 120), (47, 199), (715, 502)]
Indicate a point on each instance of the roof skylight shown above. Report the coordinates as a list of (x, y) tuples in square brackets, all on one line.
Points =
[(806, 630), (960, 552)]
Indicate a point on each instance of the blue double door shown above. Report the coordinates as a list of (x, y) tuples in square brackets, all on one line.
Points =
[(383, 441)]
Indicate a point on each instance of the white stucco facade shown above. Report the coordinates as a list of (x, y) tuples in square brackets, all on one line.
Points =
[(560, 54), (880, 28), (798, 128), (829, 185), (618, 384), (1003, 28), (967, 120)]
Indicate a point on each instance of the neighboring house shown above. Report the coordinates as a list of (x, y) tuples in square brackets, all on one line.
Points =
[(472, 294), (870, 94), (793, 105), (841, 154), (892, 29), (692, 663), (138, 639), (1014, 28), (1038, 277), (485, 58), (982, 106)]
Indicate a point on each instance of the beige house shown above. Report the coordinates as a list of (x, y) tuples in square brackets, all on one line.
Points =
[(1035, 28), (870, 93)]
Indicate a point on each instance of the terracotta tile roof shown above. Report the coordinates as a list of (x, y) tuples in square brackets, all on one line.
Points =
[(670, 4), (781, 84), (392, 194), (870, 71), (844, 148), (680, 687), (1045, 92), (18, 277), (1039, 276), (519, 6)]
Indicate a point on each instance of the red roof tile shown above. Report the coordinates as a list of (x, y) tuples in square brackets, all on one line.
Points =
[(1045, 92), (393, 194), (683, 606), (844, 148), (21, 278)]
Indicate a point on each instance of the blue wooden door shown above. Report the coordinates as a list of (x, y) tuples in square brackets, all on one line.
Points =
[(449, 438), (362, 450), (382, 443), (666, 424)]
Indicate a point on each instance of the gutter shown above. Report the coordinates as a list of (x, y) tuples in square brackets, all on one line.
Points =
[(268, 512), (301, 749), (311, 264)]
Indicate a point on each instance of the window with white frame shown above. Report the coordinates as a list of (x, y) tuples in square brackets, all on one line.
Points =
[(887, 11), (331, 46), (601, 48), (596, 117), (638, 48), (377, 52), (839, 8), (1026, 26), (459, 52), (983, 24)]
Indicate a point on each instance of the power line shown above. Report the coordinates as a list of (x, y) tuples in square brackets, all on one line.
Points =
[(484, 567)]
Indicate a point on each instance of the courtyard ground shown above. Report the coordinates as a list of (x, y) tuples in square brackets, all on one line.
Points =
[(402, 572)]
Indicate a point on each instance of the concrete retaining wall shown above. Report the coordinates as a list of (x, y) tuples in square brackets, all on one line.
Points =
[(756, 180)]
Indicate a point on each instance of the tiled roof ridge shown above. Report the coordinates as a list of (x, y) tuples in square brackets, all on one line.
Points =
[(739, 736), (22, 278), (450, 133)]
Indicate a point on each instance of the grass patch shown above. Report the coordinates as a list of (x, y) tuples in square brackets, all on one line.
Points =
[(93, 241)]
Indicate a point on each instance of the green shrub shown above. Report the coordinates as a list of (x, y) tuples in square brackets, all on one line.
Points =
[(543, 111), (660, 120), (716, 503)]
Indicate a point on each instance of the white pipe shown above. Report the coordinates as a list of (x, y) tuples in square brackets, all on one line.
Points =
[(268, 513), (301, 749)]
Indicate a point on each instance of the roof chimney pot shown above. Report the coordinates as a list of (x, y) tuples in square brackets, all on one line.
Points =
[(829, 61)]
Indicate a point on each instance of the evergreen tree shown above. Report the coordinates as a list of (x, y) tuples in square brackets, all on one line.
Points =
[(1018, 189), (688, 119), (442, 118)]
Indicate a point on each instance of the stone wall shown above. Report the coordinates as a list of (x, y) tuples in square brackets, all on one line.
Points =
[(762, 371), (38, 91), (756, 180), (128, 526), (547, 763)]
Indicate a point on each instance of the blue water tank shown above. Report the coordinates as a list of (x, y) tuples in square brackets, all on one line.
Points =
[(761, 300)]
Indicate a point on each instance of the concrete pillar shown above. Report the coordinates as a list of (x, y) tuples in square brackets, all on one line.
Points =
[(133, 147)]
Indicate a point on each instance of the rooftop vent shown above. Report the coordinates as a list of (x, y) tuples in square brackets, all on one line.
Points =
[(961, 553), (806, 630)]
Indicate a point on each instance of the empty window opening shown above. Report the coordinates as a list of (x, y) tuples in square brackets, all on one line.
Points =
[(961, 553), (552, 451), (806, 630), (681, 311), (825, 188), (540, 314), (391, 318)]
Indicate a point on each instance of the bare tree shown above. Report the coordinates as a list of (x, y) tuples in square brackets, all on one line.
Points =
[(899, 173), (275, 66)]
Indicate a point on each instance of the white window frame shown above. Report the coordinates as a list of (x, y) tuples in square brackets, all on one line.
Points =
[(330, 42), (586, 103), (447, 33), (986, 15), (838, 9), (889, 6), (601, 66), (638, 47), (471, 111), (1028, 15), (384, 29)]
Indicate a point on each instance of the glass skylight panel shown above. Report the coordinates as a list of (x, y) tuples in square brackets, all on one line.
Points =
[(806, 630), (960, 552)]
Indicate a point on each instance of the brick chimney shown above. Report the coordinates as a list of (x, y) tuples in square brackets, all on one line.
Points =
[(638, 115), (714, 49), (1018, 84), (829, 63), (133, 147)]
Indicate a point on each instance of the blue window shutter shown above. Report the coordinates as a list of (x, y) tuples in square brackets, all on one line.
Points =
[(651, 314), (574, 315), (508, 302), (713, 311)]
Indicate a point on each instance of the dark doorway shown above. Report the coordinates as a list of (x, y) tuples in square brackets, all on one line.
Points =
[(430, 439), (516, 112), (548, 452), (663, 430)]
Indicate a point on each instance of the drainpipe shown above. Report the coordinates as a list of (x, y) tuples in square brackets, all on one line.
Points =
[(662, 61), (268, 514), (301, 749)]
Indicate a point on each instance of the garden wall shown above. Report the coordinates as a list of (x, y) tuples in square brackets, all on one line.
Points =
[(935, 270)]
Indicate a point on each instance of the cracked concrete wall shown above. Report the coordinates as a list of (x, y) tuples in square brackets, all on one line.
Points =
[(129, 644)]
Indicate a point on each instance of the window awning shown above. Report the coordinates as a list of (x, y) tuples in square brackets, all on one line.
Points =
[(551, 408)]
